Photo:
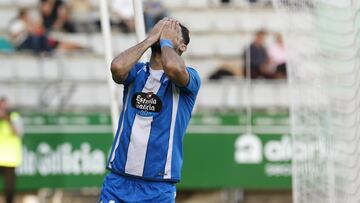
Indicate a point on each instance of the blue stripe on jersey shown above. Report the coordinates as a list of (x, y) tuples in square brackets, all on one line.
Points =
[(112, 154), (177, 152), (186, 103), (121, 154), (160, 128)]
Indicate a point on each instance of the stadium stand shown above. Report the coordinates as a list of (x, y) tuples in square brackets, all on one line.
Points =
[(217, 33)]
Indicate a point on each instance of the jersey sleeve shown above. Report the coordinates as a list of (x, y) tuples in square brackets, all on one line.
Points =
[(194, 83), (133, 73)]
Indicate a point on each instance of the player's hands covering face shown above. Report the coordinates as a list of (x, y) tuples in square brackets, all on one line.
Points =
[(155, 33), (171, 31)]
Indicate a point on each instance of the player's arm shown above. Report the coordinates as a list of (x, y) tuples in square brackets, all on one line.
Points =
[(125, 61), (174, 65)]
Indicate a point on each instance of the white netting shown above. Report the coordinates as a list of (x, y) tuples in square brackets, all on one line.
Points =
[(322, 39)]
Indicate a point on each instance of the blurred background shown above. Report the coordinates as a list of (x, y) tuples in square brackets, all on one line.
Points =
[(53, 73)]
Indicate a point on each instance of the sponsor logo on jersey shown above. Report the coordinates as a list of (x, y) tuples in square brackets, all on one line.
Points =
[(147, 104)]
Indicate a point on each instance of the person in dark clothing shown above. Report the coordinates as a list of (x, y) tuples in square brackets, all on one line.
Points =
[(55, 16), (28, 35), (257, 55), (222, 72), (225, 2), (9, 177), (154, 11)]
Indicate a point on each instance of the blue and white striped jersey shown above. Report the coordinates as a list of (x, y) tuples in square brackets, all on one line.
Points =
[(152, 125)]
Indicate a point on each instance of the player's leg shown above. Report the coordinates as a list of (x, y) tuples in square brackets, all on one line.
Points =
[(154, 192), (121, 189), (9, 180), (165, 197), (108, 192)]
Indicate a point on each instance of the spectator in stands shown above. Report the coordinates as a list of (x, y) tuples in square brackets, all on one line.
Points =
[(124, 14), (224, 71), (11, 130), (56, 15), (277, 59), (27, 34), (154, 11), (257, 55), (225, 2), (84, 15)]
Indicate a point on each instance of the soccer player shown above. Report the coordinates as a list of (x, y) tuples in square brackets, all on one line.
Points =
[(146, 157)]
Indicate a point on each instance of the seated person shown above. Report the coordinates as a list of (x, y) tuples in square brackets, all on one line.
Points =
[(27, 34), (123, 11), (84, 15), (55, 16), (277, 59), (154, 11), (223, 71), (258, 56)]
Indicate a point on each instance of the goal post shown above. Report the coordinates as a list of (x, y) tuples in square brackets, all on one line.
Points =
[(107, 38), (106, 33)]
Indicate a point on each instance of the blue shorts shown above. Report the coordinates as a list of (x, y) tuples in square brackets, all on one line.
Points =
[(124, 189)]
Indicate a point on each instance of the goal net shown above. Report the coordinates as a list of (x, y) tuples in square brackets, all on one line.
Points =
[(322, 41)]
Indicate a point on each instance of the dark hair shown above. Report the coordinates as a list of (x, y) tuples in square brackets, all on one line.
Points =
[(22, 12), (261, 32), (185, 34), (3, 99)]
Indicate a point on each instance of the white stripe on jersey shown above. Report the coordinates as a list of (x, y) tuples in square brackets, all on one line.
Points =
[(175, 92), (139, 138), (121, 127), (140, 134)]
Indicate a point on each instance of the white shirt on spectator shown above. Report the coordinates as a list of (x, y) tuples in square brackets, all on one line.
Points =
[(277, 56), (18, 31), (123, 8)]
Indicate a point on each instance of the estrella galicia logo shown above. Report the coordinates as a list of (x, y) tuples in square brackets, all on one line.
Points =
[(147, 104)]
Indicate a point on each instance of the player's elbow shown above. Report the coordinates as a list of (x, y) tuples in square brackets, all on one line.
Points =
[(118, 71), (173, 69), (175, 73)]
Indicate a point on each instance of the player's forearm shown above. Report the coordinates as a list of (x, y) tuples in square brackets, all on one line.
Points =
[(174, 66), (122, 64)]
